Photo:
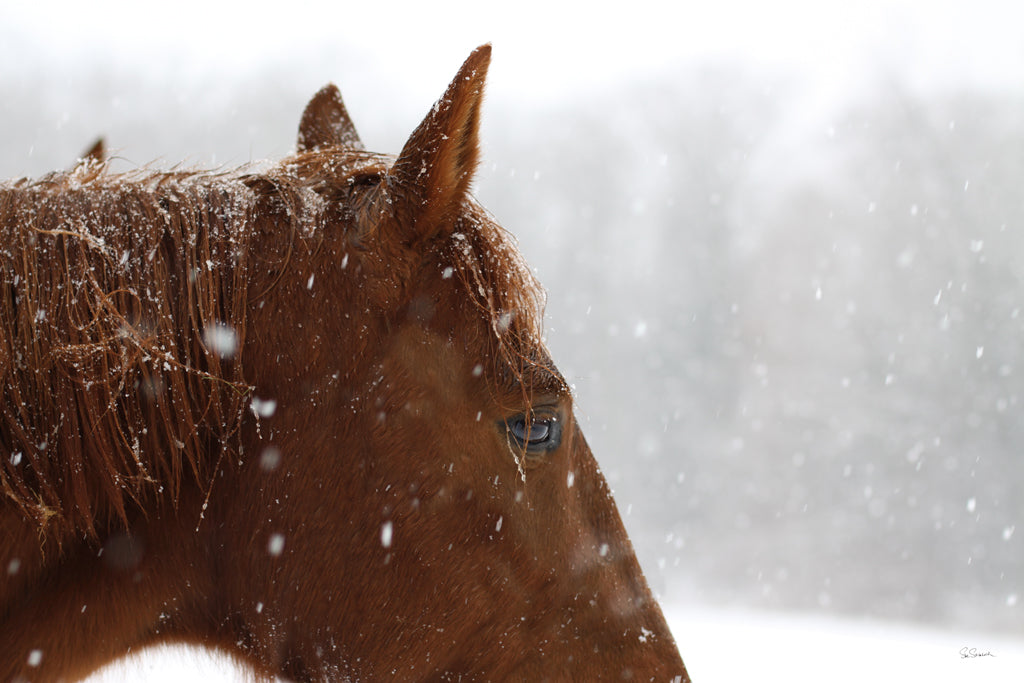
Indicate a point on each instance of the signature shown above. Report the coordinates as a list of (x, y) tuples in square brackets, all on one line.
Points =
[(972, 652)]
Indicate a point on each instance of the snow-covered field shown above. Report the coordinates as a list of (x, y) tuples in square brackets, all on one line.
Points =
[(728, 647), (732, 647)]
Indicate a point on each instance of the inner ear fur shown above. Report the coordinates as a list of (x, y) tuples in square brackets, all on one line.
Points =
[(433, 173)]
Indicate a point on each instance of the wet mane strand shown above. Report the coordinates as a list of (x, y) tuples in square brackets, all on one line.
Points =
[(122, 300), (501, 286)]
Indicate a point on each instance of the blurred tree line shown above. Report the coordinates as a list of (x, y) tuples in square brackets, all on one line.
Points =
[(796, 341)]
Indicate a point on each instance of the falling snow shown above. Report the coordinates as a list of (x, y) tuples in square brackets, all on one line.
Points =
[(263, 407), (270, 458), (221, 340), (877, 286), (275, 546)]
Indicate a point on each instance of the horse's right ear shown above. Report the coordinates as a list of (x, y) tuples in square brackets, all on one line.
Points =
[(325, 123), (432, 175)]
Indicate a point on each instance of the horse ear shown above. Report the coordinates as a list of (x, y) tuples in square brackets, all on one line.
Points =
[(92, 162), (96, 154), (325, 123), (435, 168)]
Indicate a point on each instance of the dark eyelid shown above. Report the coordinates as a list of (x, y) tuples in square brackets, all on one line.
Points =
[(365, 180), (546, 410)]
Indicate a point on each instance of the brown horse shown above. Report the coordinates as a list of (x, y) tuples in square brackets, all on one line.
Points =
[(303, 415)]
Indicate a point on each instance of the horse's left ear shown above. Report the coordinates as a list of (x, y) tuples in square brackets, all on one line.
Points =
[(326, 123), (433, 173), (92, 163), (96, 154)]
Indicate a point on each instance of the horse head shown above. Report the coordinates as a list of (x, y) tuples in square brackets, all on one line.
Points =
[(404, 494), (462, 513)]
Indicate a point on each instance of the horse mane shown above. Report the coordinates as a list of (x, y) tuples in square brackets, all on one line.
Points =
[(123, 302), (122, 325)]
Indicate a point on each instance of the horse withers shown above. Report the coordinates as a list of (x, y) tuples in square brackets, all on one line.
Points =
[(302, 415)]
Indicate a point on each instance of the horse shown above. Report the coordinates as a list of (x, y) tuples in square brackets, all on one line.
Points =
[(302, 414)]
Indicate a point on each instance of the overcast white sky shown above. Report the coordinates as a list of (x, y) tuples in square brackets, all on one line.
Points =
[(932, 42), (390, 58)]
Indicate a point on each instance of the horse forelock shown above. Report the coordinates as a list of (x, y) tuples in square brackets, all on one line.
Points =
[(502, 287)]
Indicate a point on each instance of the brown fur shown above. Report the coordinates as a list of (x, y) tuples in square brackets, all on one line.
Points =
[(267, 412)]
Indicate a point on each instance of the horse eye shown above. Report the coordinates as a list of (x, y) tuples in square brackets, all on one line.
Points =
[(535, 433)]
